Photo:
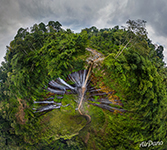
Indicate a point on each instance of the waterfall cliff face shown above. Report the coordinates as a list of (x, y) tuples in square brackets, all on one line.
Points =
[(80, 86), (60, 87)]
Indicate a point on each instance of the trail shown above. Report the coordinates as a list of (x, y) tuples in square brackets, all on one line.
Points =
[(96, 57)]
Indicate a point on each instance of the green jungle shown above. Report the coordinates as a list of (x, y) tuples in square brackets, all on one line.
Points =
[(132, 68)]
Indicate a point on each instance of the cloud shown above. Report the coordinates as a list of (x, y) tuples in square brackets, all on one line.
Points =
[(77, 15), (19, 13)]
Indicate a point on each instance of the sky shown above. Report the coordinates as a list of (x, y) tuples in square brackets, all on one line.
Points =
[(80, 14)]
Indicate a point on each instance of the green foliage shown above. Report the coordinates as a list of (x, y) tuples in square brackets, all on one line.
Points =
[(47, 52), (143, 94)]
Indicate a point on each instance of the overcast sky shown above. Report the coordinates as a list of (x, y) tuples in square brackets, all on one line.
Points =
[(79, 14)]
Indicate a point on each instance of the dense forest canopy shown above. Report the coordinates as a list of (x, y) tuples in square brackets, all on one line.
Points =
[(131, 76)]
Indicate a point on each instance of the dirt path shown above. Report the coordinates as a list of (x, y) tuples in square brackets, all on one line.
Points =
[(91, 60), (96, 55), (20, 115)]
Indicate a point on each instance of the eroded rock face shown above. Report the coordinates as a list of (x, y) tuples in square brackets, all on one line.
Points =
[(20, 115)]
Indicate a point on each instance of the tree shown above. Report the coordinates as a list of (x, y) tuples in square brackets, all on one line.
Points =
[(159, 51), (54, 25), (42, 27)]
